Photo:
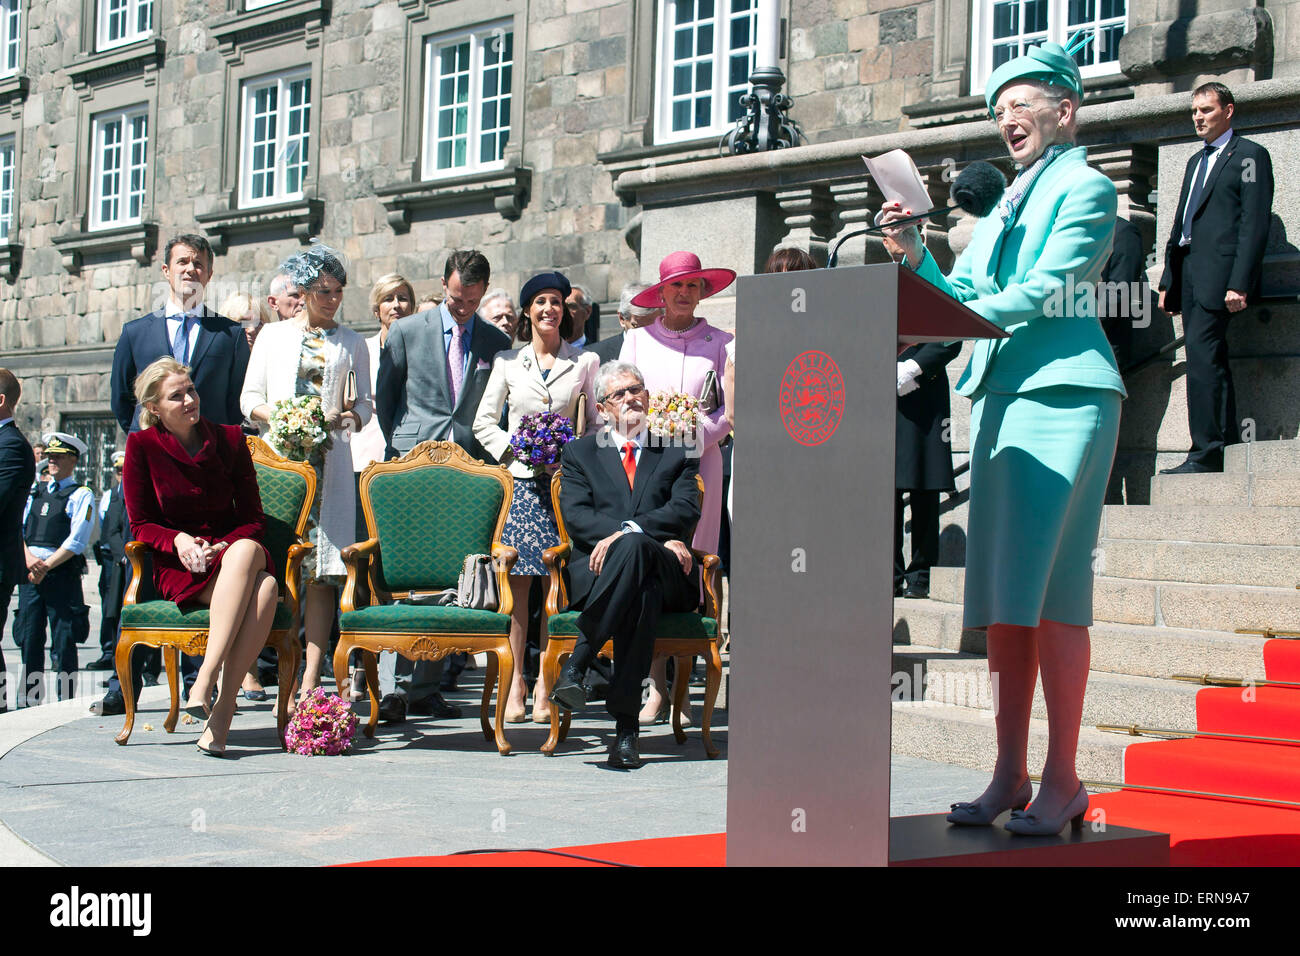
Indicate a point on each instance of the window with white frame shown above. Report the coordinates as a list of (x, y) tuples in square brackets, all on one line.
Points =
[(1005, 29), (119, 167), (11, 23), (258, 4), (469, 84), (706, 55), (276, 130), (123, 21), (7, 170)]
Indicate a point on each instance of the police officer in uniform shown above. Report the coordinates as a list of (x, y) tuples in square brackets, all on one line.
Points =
[(57, 525)]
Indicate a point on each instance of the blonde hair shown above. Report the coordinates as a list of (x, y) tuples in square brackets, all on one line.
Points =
[(239, 304), (385, 286), (148, 384)]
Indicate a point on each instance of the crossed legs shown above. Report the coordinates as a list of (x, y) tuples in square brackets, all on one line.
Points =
[(242, 600)]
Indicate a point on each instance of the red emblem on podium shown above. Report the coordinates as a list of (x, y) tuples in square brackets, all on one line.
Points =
[(812, 398)]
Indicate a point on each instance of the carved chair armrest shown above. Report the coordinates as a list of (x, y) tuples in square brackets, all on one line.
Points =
[(711, 571), (292, 567), (135, 552), (357, 558), (503, 560), (554, 559)]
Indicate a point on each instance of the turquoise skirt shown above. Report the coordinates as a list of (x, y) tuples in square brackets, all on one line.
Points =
[(1040, 462)]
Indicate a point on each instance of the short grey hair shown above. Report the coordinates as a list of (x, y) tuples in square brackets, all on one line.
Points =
[(281, 284), (583, 295), (497, 293), (614, 369), (631, 291)]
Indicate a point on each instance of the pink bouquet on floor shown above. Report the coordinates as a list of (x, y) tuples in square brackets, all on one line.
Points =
[(323, 725)]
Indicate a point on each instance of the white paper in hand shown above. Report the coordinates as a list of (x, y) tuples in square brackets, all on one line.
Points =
[(899, 180)]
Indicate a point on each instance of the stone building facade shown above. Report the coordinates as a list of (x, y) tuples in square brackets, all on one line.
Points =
[(550, 134)]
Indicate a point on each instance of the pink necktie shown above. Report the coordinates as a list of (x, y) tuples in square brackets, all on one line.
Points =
[(456, 360)]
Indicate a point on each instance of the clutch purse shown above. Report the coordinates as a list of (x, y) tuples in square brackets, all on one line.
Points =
[(477, 588), (710, 395), (350, 391)]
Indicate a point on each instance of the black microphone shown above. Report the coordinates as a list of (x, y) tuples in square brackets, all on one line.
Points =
[(976, 190)]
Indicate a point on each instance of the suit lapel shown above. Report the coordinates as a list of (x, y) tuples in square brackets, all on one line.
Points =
[(204, 339), (651, 457), (1219, 165), (611, 460), (439, 366), (162, 342)]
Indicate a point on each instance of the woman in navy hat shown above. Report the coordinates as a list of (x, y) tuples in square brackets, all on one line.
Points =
[(1045, 406), (546, 375)]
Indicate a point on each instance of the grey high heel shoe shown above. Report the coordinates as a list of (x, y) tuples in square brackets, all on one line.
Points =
[(1029, 824), (977, 815)]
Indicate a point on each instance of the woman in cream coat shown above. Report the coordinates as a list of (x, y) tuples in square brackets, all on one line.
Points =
[(311, 355), (547, 374)]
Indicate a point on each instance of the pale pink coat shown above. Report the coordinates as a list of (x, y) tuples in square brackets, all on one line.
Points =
[(680, 362)]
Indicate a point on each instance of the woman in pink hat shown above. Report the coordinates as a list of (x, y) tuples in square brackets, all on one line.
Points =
[(677, 354)]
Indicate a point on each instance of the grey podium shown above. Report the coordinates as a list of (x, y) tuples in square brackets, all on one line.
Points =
[(812, 565)]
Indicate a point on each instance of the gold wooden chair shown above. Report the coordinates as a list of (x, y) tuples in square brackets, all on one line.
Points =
[(287, 489), (425, 513), (681, 635)]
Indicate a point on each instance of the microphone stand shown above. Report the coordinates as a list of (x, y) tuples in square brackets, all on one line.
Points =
[(835, 249)]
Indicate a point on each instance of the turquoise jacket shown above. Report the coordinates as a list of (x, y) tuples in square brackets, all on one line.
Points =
[(1037, 280)]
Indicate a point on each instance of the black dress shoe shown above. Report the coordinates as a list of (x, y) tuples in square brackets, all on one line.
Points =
[(112, 705), (1190, 468), (392, 709), (149, 680), (568, 691), (916, 591), (105, 663), (623, 753), (434, 705)]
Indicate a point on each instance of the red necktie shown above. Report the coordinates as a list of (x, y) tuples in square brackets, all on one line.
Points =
[(629, 462)]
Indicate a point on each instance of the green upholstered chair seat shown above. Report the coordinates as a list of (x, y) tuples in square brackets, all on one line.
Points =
[(677, 626), (426, 618), (165, 614)]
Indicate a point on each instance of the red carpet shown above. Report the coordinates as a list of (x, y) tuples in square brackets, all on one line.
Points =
[(1244, 829), (709, 849)]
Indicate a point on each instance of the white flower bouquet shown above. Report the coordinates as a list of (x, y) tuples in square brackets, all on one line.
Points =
[(298, 428), (673, 416)]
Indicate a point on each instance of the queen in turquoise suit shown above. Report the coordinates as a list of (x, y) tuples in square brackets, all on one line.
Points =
[(1045, 409)]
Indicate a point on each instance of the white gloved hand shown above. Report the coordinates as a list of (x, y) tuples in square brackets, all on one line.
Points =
[(908, 373)]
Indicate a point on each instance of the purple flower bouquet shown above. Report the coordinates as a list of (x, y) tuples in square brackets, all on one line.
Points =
[(540, 437), (323, 724)]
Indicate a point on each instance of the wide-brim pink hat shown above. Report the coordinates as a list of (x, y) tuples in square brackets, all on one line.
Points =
[(677, 266)]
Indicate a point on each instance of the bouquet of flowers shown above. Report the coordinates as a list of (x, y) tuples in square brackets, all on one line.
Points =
[(323, 724), (298, 428), (540, 437), (673, 416)]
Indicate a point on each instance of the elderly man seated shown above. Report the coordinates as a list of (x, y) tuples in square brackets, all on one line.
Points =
[(629, 503)]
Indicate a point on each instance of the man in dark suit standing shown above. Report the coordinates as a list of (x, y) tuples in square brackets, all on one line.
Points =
[(629, 317), (17, 472), (1213, 265), (432, 371), (110, 552), (629, 504), (212, 346)]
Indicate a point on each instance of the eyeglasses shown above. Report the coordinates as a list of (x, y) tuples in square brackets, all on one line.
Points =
[(630, 392), (1018, 110)]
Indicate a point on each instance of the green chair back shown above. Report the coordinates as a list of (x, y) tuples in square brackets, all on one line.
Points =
[(283, 495)]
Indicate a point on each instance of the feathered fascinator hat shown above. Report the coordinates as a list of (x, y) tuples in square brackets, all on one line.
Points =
[(306, 268)]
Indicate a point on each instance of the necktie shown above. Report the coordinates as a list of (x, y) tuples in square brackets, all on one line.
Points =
[(181, 344), (456, 362), (629, 462), (1198, 186)]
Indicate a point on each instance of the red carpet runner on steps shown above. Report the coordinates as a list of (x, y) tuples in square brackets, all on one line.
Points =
[(1248, 826)]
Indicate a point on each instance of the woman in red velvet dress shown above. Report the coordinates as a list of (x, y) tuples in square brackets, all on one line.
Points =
[(191, 494)]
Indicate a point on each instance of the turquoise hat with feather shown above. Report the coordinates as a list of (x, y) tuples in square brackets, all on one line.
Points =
[(1046, 63)]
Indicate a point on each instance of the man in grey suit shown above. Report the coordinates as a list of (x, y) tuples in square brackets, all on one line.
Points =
[(432, 372)]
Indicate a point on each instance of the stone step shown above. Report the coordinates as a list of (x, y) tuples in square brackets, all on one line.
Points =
[(1209, 607), (1272, 566), (1135, 650), (1211, 524), (1238, 489), (962, 680), (1262, 456), (965, 737)]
